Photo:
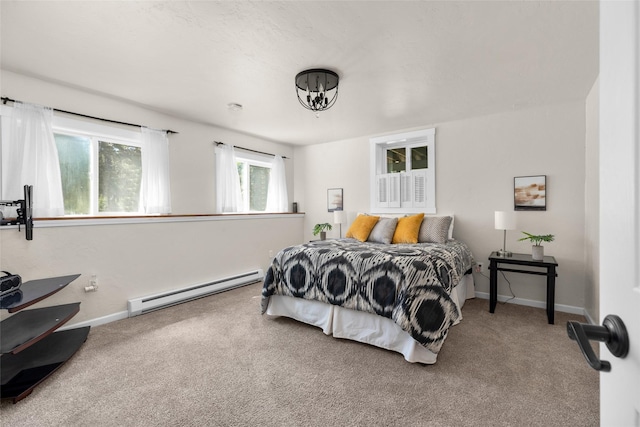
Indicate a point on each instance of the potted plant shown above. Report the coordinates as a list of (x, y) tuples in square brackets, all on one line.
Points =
[(322, 229), (537, 250)]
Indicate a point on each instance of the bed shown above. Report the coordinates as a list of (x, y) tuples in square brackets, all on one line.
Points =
[(402, 297)]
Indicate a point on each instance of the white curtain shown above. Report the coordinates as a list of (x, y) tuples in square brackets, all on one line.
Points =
[(277, 199), (228, 194), (155, 188), (30, 157)]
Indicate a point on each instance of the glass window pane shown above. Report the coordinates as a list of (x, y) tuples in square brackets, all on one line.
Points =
[(119, 176), (241, 174), (396, 160), (74, 158), (419, 157), (258, 187)]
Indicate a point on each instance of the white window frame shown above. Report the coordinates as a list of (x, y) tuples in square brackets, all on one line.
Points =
[(400, 192), (254, 159), (91, 130), (97, 133)]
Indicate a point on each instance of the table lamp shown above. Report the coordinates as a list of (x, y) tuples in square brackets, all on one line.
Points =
[(505, 221), (339, 217)]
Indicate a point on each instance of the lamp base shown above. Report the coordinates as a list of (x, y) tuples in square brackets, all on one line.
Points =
[(504, 254)]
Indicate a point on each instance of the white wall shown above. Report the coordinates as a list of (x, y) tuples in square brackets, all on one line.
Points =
[(592, 205), (477, 160), (133, 260)]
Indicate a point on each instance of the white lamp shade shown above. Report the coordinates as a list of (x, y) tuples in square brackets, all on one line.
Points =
[(505, 220), (339, 217)]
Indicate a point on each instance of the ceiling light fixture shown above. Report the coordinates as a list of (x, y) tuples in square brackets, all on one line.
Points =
[(317, 89)]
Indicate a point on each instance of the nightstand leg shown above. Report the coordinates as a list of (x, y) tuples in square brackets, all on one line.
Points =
[(493, 286), (551, 293)]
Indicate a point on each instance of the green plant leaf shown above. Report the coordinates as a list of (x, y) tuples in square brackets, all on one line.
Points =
[(537, 239), (319, 228)]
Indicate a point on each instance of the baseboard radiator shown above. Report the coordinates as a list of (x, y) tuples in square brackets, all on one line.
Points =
[(137, 306)]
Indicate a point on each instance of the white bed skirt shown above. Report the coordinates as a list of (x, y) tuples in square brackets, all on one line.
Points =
[(364, 327)]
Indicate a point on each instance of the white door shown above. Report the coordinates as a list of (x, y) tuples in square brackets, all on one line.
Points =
[(620, 204)]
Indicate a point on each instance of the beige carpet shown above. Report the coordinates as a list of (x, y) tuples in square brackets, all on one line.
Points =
[(218, 362)]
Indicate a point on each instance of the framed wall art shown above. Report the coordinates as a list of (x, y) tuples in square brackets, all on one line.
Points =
[(530, 193), (334, 199)]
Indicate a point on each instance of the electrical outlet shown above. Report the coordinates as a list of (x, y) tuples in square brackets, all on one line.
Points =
[(93, 284), (479, 267), (270, 253)]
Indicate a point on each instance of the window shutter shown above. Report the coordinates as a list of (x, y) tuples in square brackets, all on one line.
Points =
[(394, 190), (406, 189), (382, 190), (419, 179)]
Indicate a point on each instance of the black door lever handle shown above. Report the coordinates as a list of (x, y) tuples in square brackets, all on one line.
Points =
[(612, 332)]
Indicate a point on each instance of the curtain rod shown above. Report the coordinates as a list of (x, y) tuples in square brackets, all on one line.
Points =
[(249, 149), (5, 100)]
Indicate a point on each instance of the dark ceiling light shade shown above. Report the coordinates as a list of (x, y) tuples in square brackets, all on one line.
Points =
[(317, 89)]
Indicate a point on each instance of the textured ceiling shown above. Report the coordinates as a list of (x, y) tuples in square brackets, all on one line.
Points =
[(401, 64)]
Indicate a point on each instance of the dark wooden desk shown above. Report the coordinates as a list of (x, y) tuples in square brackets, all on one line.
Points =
[(548, 263)]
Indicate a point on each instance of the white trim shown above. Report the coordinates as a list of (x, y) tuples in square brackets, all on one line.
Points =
[(483, 295), (403, 137), (532, 303), (75, 126), (98, 321), (152, 220), (254, 158)]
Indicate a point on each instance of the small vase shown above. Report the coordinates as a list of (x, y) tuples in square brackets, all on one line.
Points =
[(537, 252), (323, 235)]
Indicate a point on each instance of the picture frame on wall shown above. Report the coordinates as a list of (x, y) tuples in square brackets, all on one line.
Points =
[(530, 193), (334, 199)]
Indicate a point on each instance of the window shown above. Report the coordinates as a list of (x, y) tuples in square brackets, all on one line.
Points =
[(255, 173), (403, 158), (100, 167), (104, 170), (249, 182), (403, 172)]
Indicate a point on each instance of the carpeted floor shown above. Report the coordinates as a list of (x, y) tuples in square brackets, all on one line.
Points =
[(218, 362)]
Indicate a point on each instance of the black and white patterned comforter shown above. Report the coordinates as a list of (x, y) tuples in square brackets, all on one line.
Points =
[(410, 284)]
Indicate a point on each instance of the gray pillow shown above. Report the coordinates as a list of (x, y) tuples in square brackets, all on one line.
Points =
[(434, 229), (383, 230)]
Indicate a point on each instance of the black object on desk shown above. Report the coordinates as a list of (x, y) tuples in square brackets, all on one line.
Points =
[(548, 263)]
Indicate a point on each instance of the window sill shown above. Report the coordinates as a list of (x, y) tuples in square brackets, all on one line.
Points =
[(151, 219)]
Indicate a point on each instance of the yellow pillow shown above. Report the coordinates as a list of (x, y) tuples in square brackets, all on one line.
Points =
[(362, 226), (408, 229)]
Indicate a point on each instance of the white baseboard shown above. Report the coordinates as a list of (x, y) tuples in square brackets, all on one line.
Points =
[(98, 321), (589, 318), (484, 295), (532, 303)]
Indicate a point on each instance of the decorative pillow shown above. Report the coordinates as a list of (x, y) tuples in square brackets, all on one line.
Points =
[(407, 229), (362, 226), (434, 229), (383, 230)]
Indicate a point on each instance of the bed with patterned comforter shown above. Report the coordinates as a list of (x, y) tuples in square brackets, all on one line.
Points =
[(410, 284)]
